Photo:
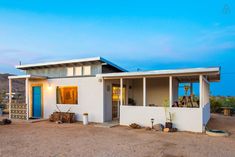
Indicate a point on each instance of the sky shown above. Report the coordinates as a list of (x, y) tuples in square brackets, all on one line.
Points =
[(145, 35)]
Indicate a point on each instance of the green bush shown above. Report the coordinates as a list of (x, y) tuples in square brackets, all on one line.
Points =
[(219, 101), (215, 105)]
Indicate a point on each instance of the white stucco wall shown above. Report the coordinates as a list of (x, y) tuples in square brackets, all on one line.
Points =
[(206, 114), (157, 91), (90, 97), (184, 119), (205, 100)]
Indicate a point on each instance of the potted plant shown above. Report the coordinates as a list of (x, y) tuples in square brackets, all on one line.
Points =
[(168, 114)]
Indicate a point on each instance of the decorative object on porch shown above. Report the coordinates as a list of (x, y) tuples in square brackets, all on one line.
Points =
[(135, 126), (166, 129), (170, 129), (5, 122), (85, 118), (168, 123), (152, 121), (64, 117), (158, 127)]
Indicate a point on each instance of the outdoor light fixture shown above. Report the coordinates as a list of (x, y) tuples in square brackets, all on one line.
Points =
[(152, 121), (100, 80), (49, 86)]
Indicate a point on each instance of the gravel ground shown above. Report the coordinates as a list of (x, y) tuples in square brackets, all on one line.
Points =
[(59, 140)]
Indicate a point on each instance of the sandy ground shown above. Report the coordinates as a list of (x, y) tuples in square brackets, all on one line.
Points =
[(53, 140)]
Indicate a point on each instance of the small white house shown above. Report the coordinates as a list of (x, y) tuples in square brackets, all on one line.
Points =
[(107, 92)]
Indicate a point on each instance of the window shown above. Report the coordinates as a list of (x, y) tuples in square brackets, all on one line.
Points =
[(67, 95), (78, 71), (70, 71), (86, 70)]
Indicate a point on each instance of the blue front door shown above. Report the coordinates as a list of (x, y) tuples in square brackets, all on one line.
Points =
[(37, 104)]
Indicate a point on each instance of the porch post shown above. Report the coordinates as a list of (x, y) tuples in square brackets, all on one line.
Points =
[(121, 86), (10, 95), (170, 91), (27, 97), (144, 91), (201, 91)]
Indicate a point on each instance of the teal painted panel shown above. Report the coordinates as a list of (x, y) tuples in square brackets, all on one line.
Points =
[(37, 104)]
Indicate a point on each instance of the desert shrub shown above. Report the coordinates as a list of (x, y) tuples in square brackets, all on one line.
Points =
[(219, 101), (215, 105)]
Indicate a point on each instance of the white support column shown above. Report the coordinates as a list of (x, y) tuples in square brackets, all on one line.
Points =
[(170, 91), (10, 95), (121, 87), (201, 91), (144, 91), (27, 97)]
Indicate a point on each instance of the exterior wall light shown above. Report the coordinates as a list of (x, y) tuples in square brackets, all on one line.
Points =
[(49, 86)]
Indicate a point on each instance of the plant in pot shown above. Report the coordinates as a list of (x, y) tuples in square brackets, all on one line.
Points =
[(168, 114)]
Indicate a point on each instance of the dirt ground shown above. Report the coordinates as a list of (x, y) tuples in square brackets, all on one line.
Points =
[(59, 140)]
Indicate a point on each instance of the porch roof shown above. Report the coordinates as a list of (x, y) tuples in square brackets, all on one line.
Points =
[(213, 73), (28, 76)]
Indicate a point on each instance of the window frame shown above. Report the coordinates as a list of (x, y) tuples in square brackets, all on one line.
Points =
[(69, 86)]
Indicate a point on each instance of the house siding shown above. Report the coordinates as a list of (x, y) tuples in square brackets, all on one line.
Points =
[(90, 97)]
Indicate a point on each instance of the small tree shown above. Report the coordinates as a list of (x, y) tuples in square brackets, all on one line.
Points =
[(168, 114)]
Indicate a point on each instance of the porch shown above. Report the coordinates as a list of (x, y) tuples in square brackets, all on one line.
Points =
[(23, 108), (142, 97)]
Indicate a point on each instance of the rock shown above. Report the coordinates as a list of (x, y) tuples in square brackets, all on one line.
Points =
[(5, 122), (135, 126), (148, 128), (166, 130), (173, 130), (158, 127), (59, 122)]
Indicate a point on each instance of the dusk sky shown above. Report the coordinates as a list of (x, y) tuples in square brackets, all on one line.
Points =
[(133, 34)]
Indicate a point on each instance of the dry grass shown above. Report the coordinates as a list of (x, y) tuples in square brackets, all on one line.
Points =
[(52, 140)]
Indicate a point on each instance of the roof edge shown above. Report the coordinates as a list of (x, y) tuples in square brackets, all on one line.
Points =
[(163, 72), (26, 66)]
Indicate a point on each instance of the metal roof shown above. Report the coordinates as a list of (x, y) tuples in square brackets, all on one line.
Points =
[(27, 76), (99, 59), (213, 71)]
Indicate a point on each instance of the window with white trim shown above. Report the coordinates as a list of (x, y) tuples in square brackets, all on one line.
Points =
[(70, 71), (86, 70), (78, 71)]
